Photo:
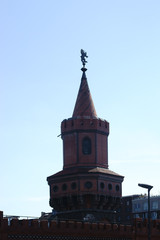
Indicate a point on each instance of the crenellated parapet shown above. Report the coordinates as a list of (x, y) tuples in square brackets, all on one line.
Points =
[(141, 229), (68, 230), (84, 124), (75, 230)]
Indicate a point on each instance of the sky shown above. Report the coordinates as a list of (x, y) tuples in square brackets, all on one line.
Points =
[(39, 80)]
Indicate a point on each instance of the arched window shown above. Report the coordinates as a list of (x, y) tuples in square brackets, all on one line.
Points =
[(86, 146)]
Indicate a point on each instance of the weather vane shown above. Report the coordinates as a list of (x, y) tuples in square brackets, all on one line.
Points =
[(83, 57)]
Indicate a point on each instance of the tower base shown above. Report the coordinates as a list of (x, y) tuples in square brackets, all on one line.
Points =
[(86, 215)]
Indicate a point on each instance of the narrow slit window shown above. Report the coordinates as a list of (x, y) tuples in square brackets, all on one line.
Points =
[(86, 146)]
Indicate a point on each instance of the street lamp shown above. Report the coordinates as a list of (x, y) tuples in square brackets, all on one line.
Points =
[(149, 187)]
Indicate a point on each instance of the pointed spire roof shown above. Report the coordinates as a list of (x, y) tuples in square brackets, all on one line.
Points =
[(84, 106)]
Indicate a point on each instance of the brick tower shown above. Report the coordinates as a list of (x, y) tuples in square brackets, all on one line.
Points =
[(85, 189)]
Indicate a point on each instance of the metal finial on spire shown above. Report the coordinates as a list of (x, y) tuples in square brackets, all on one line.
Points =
[(83, 57)]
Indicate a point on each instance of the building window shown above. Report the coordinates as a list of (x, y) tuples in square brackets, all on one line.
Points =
[(86, 146), (102, 185), (128, 209), (128, 203), (110, 186), (73, 185), (154, 215), (55, 188), (88, 185), (145, 206), (137, 207), (155, 205), (146, 215), (64, 187), (117, 188), (136, 216)]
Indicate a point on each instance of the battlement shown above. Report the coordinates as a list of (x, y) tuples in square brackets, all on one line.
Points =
[(31, 229), (85, 123), (74, 230), (141, 229)]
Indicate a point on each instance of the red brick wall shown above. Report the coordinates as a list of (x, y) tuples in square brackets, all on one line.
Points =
[(141, 229), (66, 230), (102, 150), (70, 149), (69, 230)]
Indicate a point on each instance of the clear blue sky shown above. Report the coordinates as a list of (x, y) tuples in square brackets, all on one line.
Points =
[(39, 80)]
